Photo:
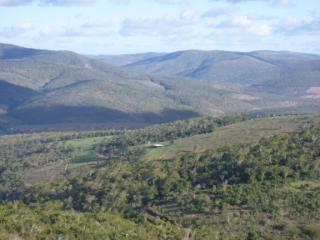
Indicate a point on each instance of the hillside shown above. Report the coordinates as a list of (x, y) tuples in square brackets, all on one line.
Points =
[(239, 133), (231, 177), (125, 59), (42, 87), (43, 90), (265, 71)]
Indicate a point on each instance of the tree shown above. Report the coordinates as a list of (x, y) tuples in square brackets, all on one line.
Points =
[(252, 236)]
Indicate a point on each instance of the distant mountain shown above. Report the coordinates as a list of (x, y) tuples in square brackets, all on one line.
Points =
[(264, 71), (48, 87), (125, 59), (49, 90)]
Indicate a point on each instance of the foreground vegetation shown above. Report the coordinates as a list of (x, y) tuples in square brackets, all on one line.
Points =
[(114, 185)]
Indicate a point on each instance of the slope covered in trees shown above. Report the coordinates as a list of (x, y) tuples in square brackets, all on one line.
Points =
[(41, 87), (265, 188), (267, 71), (45, 90)]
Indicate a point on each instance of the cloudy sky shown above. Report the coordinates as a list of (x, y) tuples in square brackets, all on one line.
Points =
[(131, 26)]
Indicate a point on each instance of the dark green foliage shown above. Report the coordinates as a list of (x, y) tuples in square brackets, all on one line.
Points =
[(168, 132), (50, 221), (252, 236), (268, 189)]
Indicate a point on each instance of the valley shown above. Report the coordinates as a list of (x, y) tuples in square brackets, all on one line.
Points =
[(231, 177), (159, 120), (190, 145), (44, 90)]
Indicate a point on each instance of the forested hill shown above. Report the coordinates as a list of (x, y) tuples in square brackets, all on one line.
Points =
[(126, 59), (228, 178), (262, 75), (271, 71), (42, 90), (41, 87)]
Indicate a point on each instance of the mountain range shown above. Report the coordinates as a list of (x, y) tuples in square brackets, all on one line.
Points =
[(276, 72), (48, 90)]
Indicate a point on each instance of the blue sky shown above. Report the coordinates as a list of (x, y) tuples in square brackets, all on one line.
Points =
[(132, 26)]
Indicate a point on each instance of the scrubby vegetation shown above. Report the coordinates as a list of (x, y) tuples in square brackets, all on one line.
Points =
[(103, 185), (51, 221)]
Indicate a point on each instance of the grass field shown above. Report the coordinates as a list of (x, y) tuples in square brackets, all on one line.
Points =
[(239, 133), (86, 148), (54, 153)]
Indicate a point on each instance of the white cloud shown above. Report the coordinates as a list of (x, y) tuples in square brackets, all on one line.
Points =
[(261, 30), (80, 32), (120, 1), (148, 26), (97, 24), (282, 3), (220, 9), (67, 2), (89, 29), (273, 3), (245, 25), (23, 26), (241, 21), (159, 26), (189, 16), (46, 30), (48, 2), (241, 1), (14, 2), (171, 1), (76, 2), (307, 25), (236, 22), (16, 30)]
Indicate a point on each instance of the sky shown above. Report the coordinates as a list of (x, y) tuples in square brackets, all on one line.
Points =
[(97, 27)]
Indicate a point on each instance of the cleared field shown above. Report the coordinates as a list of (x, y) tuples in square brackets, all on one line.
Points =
[(239, 133), (44, 157), (47, 156)]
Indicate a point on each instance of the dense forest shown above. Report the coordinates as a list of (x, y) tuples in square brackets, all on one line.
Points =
[(105, 185)]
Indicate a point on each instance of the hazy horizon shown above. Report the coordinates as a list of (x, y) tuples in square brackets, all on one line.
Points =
[(158, 52)]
